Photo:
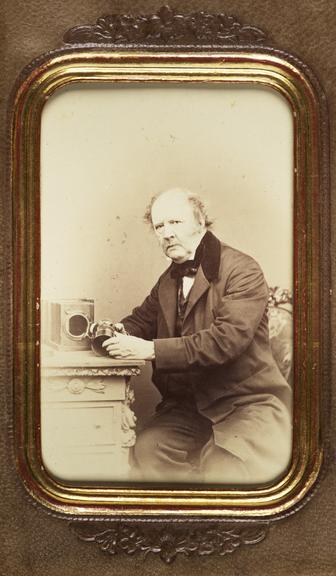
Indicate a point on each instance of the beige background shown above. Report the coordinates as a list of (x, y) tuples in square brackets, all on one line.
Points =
[(35, 543), (106, 151)]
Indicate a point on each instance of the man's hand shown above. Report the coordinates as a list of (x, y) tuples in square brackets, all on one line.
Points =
[(124, 346)]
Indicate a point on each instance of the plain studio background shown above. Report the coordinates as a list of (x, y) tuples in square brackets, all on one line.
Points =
[(106, 150)]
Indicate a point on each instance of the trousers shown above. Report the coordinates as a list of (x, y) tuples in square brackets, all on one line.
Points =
[(177, 445)]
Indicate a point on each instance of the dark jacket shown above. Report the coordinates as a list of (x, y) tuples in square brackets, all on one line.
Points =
[(224, 355)]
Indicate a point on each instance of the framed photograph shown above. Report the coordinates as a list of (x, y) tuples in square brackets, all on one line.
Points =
[(202, 137), (171, 287)]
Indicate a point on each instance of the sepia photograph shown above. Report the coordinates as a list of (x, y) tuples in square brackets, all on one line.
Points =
[(166, 284)]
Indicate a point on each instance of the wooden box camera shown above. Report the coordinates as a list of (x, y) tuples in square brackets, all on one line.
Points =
[(66, 324)]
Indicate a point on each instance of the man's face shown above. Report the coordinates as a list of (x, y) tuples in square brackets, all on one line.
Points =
[(175, 224)]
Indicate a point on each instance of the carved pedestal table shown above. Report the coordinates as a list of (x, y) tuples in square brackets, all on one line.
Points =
[(87, 425)]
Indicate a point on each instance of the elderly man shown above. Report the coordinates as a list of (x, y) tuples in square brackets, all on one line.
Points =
[(225, 413)]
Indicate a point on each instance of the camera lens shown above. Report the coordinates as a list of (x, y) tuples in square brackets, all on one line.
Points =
[(102, 333)]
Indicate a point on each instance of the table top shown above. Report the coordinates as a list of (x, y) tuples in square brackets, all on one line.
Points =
[(51, 358)]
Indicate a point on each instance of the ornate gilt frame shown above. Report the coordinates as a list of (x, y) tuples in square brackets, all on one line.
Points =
[(241, 59)]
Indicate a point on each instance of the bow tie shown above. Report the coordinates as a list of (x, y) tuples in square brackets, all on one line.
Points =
[(188, 268)]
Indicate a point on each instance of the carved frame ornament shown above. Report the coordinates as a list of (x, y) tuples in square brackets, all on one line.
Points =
[(169, 541), (174, 47), (166, 27)]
